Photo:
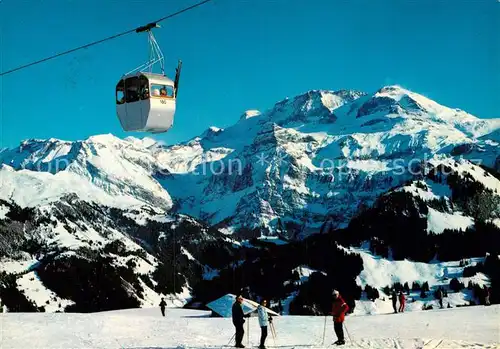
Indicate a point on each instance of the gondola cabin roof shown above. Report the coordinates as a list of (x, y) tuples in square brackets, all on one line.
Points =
[(152, 78)]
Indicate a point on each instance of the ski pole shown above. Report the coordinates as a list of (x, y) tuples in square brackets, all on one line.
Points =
[(231, 340), (248, 332), (324, 331), (273, 332), (348, 335)]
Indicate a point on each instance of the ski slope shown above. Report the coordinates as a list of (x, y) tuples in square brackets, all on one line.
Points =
[(468, 327)]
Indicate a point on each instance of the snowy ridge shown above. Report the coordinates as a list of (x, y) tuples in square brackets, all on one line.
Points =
[(103, 169), (428, 190)]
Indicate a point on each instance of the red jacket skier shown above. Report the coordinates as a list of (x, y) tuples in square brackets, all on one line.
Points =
[(402, 301), (339, 308)]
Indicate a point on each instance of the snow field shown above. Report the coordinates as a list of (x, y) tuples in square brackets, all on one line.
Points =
[(471, 327)]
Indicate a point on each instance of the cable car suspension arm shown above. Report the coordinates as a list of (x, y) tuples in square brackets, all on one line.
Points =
[(155, 54)]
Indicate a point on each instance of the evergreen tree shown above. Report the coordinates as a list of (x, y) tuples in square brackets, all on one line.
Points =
[(423, 294), (371, 293), (456, 285), (470, 285), (406, 287)]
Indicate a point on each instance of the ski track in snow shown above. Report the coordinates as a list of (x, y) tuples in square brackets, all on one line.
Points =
[(470, 327)]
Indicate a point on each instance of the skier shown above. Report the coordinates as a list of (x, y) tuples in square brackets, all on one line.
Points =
[(162, 306), (238, 321), (440, 297), (339, 308), (394, 301), (487, 295), (263, 322), (402, 301)]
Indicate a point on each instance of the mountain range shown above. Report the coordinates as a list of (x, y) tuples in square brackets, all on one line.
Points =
[(346, 168)]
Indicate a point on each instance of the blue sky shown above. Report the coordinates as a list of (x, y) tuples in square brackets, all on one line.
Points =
[(239, 55)]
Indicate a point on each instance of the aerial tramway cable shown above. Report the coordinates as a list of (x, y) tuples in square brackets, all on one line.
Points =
[(137, 30)]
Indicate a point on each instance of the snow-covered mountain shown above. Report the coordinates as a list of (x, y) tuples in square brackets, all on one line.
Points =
[(75, 255), (102, 169), (320, 161), (316, 155)]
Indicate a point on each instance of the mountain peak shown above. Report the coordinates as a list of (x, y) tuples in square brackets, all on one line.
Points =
[(211, 132), (335, 99), (250, 114), (392, 89), (401, 94), (145, 142), (104, 139), (311, 107)]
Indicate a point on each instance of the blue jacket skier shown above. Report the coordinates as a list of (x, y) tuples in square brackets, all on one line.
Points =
[(263, 322)]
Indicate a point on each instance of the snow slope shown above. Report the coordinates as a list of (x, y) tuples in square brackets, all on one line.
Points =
[(33, 288), (380, 272), (102, 169), (471, 327), (439, 221)]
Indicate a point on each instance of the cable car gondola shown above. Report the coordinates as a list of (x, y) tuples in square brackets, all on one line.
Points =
[(146, 101)]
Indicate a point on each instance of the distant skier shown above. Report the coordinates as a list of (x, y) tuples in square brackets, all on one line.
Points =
[(440, 297), (394, 301), (339, 308), (263, 322), (162, 306), (487, 295), (402, 301), (238, 321)]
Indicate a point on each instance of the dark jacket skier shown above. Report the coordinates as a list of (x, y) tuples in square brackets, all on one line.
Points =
[(238, 321), (339, 308), (394, 301), (487, 295), (162, 306), (440, 297)]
